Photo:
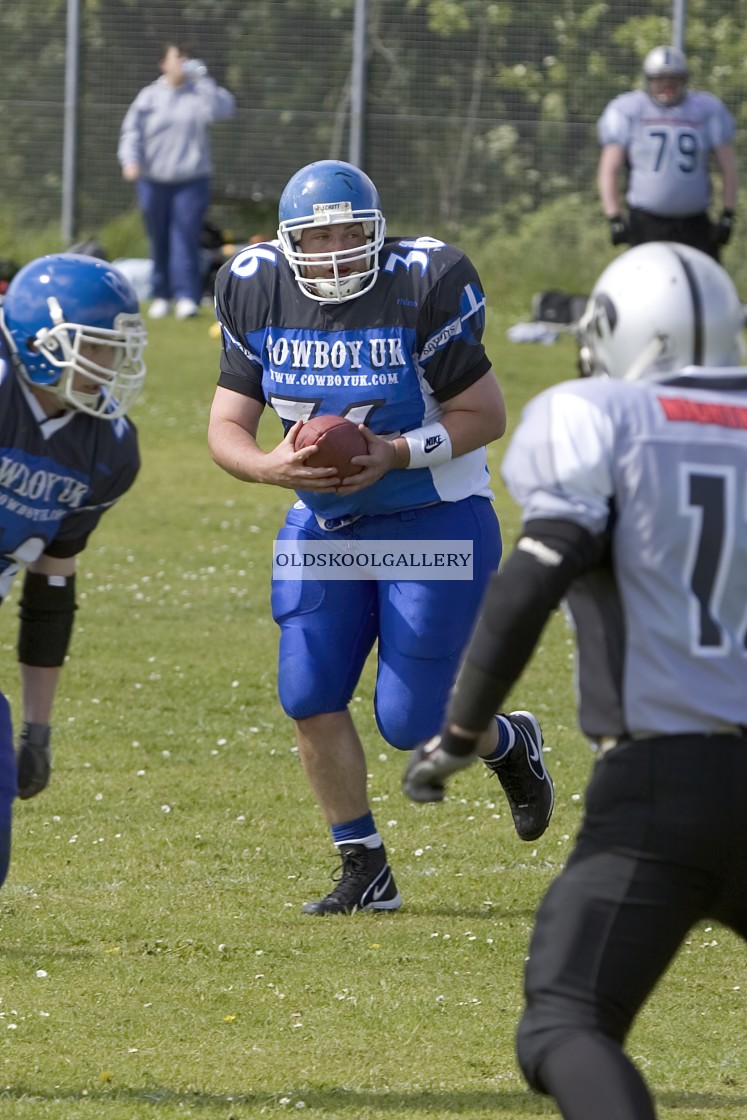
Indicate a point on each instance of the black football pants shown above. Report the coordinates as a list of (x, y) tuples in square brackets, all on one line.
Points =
[(663, 845), (695, 230)]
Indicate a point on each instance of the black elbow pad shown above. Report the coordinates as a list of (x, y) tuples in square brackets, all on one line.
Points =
[(520, 598), (46, 611)]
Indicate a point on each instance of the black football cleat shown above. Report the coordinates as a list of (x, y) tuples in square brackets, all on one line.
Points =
[(526, 783), (366, 883)]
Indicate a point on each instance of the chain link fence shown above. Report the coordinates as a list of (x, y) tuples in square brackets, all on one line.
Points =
[(472, 107)]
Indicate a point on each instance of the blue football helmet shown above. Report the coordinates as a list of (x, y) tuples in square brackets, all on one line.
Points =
[(74, 328), (327, 193)]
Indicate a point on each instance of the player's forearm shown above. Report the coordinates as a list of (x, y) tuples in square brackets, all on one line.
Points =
[(469, 430), (236, 451), (475, 417), (520, 598), (608, 196), (460, 431), (501, 645), (38, 689), (610, 164), (729, 176)]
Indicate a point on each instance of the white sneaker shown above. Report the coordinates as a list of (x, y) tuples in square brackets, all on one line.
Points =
[(159, 309), (185, 309)]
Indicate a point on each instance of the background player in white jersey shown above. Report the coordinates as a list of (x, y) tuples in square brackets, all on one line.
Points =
[(334, 318), (658, 144), (633, 487), (71, 345)]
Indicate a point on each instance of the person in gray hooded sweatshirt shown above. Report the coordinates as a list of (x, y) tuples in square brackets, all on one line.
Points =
[(164, 148)]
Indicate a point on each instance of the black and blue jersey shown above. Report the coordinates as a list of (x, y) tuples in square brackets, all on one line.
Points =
[(388, 358), (58, 474)]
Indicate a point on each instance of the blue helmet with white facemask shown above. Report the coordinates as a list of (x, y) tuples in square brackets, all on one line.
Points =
[(74, 321), (331, 192)]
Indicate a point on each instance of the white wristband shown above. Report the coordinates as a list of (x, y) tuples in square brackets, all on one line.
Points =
[(429, 446)]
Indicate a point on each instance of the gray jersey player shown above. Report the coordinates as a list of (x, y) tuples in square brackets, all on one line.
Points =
[(661, 141), (633, 488)]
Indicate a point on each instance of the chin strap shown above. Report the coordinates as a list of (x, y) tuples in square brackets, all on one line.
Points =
[(653, 350), (48, 337)]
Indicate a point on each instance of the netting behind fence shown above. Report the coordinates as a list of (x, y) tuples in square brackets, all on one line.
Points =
[(471, 107)]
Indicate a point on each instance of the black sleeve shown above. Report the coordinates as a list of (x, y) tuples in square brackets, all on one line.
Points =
[(237, 371), (239, 384), (452, 321), (520, 598), (116, 466), (454, 388)]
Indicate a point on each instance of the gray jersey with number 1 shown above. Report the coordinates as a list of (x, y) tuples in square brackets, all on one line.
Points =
[(661, 468), (668, 148)]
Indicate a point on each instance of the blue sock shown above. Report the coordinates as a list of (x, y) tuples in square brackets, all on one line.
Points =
[(506, 740), (360, 831)]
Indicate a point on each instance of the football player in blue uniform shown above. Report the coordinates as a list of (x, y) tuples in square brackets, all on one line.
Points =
[(633, 489), (333, 317), (71, 365)]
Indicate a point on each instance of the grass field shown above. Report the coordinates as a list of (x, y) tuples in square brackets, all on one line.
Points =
[(155, 959)]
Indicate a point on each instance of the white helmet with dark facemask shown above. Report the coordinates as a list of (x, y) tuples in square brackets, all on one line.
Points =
[(656, 309), (326, 193)]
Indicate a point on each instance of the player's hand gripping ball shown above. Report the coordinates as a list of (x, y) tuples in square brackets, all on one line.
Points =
[(337, 441)]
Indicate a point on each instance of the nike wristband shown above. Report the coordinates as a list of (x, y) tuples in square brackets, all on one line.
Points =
[(429, 446)]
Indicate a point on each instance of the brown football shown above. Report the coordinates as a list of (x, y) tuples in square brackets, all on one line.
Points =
[(337, 441)]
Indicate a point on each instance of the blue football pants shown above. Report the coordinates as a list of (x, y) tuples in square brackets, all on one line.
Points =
[(7, 785), (328, 628)]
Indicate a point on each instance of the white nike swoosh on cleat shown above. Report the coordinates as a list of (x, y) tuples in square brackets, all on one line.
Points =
[(379, 891)]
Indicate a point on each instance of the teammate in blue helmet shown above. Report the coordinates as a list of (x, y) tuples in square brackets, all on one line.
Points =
[(74, 330), (633, 489), (333, 318), (71, 365)]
